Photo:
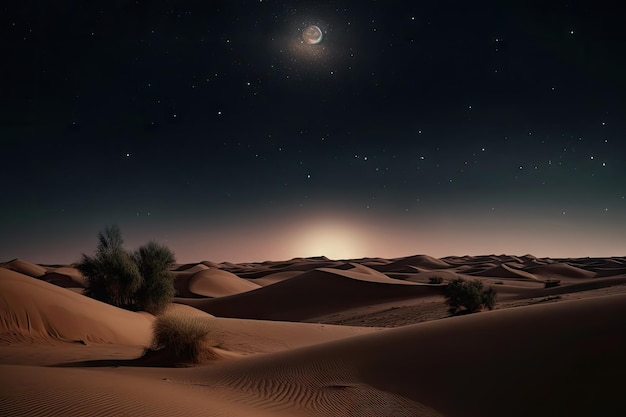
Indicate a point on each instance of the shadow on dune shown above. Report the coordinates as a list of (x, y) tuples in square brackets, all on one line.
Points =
[(161, 358), (312, 294)]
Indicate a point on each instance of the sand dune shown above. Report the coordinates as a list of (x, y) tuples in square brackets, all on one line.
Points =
[(504, 271), (560, 353), (275, 277), (36, 310), (419, 261), (363, 269), (609, 272), (25, 267), (202, 281), (297, 264), (193, 267), (65, 277), (211, 264), (34, 392), (311, 294), (218, 283), (425, 276), (561, 270), (363, 273), (247, 337), (71, 272), (244, 336), (517, 362), (181, 283), (60, 280)]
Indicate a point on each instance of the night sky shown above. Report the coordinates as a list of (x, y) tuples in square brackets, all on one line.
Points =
[(436, 127)]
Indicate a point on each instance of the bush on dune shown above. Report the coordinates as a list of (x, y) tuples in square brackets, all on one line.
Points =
[(183, 336), (435, 280), (551, 283), (469, 296), (134, 281), (112, 274), (157, 290)]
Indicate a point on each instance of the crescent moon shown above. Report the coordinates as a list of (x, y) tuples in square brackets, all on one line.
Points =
[(312, 35)]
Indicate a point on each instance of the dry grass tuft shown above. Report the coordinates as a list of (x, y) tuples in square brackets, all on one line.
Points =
[(184, 336)]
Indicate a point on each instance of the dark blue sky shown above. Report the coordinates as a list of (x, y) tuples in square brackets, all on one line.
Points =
[(445, 128)]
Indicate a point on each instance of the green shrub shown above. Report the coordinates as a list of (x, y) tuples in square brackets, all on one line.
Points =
[(469, 296), (137, 281), (157, 289), (112, 274), (183, 336), (435, 280)]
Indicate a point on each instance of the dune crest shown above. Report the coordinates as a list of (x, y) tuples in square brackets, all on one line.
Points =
[(36, 310), (418, 261), (218, 283), (25, 267)]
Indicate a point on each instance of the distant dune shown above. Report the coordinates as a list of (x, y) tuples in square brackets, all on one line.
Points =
[(311, 294), (317, 337), (25, 267)]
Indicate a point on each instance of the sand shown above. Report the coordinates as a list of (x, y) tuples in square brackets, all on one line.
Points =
[(318, 337)]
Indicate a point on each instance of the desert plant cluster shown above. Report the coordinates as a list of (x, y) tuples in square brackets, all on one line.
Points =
[(138, 280), (183, 336), (469, 296), (435, 280)]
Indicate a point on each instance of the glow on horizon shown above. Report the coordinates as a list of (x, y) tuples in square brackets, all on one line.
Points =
[(339, 233), (343, 236), (331, 238)]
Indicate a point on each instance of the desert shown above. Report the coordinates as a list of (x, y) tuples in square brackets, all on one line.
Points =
[(330, 208), (320, 337)]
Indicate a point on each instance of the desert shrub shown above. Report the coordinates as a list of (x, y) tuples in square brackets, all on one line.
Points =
[(551, 283), (435, 280), (112, 274), (183, 336), (469, 296), (134, 281), (157, 289)]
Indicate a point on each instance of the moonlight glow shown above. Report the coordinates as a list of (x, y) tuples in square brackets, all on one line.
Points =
[(333, 239)]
